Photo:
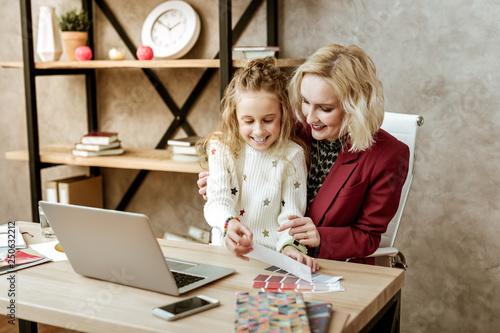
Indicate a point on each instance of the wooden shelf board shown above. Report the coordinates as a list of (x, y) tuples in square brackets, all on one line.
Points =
[(179, 63), (133, 158)]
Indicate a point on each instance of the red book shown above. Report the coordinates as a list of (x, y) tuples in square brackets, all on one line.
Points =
[(19, 260)]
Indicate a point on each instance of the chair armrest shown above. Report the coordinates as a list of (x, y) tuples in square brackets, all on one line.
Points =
[(384, 251)]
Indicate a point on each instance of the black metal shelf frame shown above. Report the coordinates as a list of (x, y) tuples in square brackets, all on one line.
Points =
[(227, 36)]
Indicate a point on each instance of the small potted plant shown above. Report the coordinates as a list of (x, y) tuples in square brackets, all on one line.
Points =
[(74, 25)]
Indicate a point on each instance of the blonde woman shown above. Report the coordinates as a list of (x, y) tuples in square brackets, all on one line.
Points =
[(357, 170), (258, 174)]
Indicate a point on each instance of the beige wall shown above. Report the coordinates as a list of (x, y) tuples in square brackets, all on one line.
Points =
[(438, 59)]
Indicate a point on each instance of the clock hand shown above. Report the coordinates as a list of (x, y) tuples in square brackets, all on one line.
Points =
[(175, 25), (163, 24)]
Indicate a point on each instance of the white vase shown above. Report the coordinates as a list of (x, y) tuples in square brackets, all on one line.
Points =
[(49, 46)]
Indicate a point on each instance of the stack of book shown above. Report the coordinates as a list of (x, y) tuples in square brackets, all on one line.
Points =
[(251, 52), (98, 144), (184, 149)]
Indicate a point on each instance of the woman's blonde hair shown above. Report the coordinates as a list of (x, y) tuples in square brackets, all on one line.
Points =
[(263, 75), (353, 76)]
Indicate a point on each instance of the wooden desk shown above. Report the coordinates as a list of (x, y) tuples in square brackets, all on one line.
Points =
[(54, 294)]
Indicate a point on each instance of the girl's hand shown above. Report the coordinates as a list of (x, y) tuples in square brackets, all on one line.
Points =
[(303, 230), (238, 239), (293, 253), (202, 184)]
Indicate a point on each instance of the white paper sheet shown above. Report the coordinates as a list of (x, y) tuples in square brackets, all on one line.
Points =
[(5, 236), (282, 261), (48, 249)]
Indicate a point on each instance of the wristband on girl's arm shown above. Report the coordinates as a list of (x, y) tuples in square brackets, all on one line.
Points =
[(295, 244), (227, 222)]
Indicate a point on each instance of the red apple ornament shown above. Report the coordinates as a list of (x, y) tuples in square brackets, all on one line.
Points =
[(83, 53), (144, 53)]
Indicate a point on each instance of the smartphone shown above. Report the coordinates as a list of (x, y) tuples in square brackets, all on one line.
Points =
[(185, 307)]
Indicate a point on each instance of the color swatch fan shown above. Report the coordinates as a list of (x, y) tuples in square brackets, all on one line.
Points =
[(259, 311)]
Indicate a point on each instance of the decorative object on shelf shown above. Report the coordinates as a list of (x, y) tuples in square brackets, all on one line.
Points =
[(49, 46), (74, 25), (83, 53), (72, 40), (144, 53), (171, 29), (251, 52), (116, 54)]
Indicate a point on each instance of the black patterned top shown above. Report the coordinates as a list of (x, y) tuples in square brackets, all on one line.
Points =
[(323, 155)]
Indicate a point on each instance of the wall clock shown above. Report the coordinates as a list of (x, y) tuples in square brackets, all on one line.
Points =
[(171, 29)]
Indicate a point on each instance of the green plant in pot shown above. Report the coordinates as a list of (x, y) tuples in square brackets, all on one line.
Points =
[(74, 25)]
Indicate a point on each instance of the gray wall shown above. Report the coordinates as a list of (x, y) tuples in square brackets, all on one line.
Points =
[(437, 59)]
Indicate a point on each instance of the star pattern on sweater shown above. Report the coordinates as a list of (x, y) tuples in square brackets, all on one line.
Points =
[(275, 164), (265, 233), (234, 191), (213, 151), (244, 177), (297, 185), (242, 212), (267, 202), (283, 203)]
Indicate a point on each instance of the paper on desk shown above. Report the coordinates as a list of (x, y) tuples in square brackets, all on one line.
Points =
[(48, 249), (6, 235), (282, 261)]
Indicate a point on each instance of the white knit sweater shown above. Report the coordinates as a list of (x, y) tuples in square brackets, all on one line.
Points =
[(262, 190)]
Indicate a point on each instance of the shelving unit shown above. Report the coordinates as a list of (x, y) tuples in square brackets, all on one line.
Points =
[(133, 158), (142, 159)]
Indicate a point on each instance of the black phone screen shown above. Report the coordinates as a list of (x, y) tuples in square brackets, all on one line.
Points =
[(185, 305)]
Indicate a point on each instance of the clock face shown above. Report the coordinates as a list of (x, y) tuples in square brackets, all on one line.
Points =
[(171, 29)]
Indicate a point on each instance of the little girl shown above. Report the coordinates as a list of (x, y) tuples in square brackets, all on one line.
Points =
[(258, 174)]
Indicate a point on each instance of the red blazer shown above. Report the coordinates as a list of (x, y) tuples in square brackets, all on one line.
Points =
[(359, 197)]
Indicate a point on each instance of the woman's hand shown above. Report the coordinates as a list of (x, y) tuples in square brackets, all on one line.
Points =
[(303, 230), (238, 239), (293, 253), (202, 184)]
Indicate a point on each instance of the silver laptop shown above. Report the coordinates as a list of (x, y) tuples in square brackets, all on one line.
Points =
[(121, 247)]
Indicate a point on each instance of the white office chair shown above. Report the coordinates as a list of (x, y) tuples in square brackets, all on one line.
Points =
[(405, 128)]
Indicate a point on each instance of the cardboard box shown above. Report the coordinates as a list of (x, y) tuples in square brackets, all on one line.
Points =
[(83, 190)]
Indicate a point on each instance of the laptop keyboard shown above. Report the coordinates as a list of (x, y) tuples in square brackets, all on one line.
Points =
[(183, 280)]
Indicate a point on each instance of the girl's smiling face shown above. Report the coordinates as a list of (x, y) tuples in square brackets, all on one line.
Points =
[(321, 108), (259, 119)]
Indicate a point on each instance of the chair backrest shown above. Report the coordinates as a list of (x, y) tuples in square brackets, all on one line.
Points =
[(404, 127)]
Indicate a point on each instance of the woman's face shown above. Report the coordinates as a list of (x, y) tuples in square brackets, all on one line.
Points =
[(321, 108)]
